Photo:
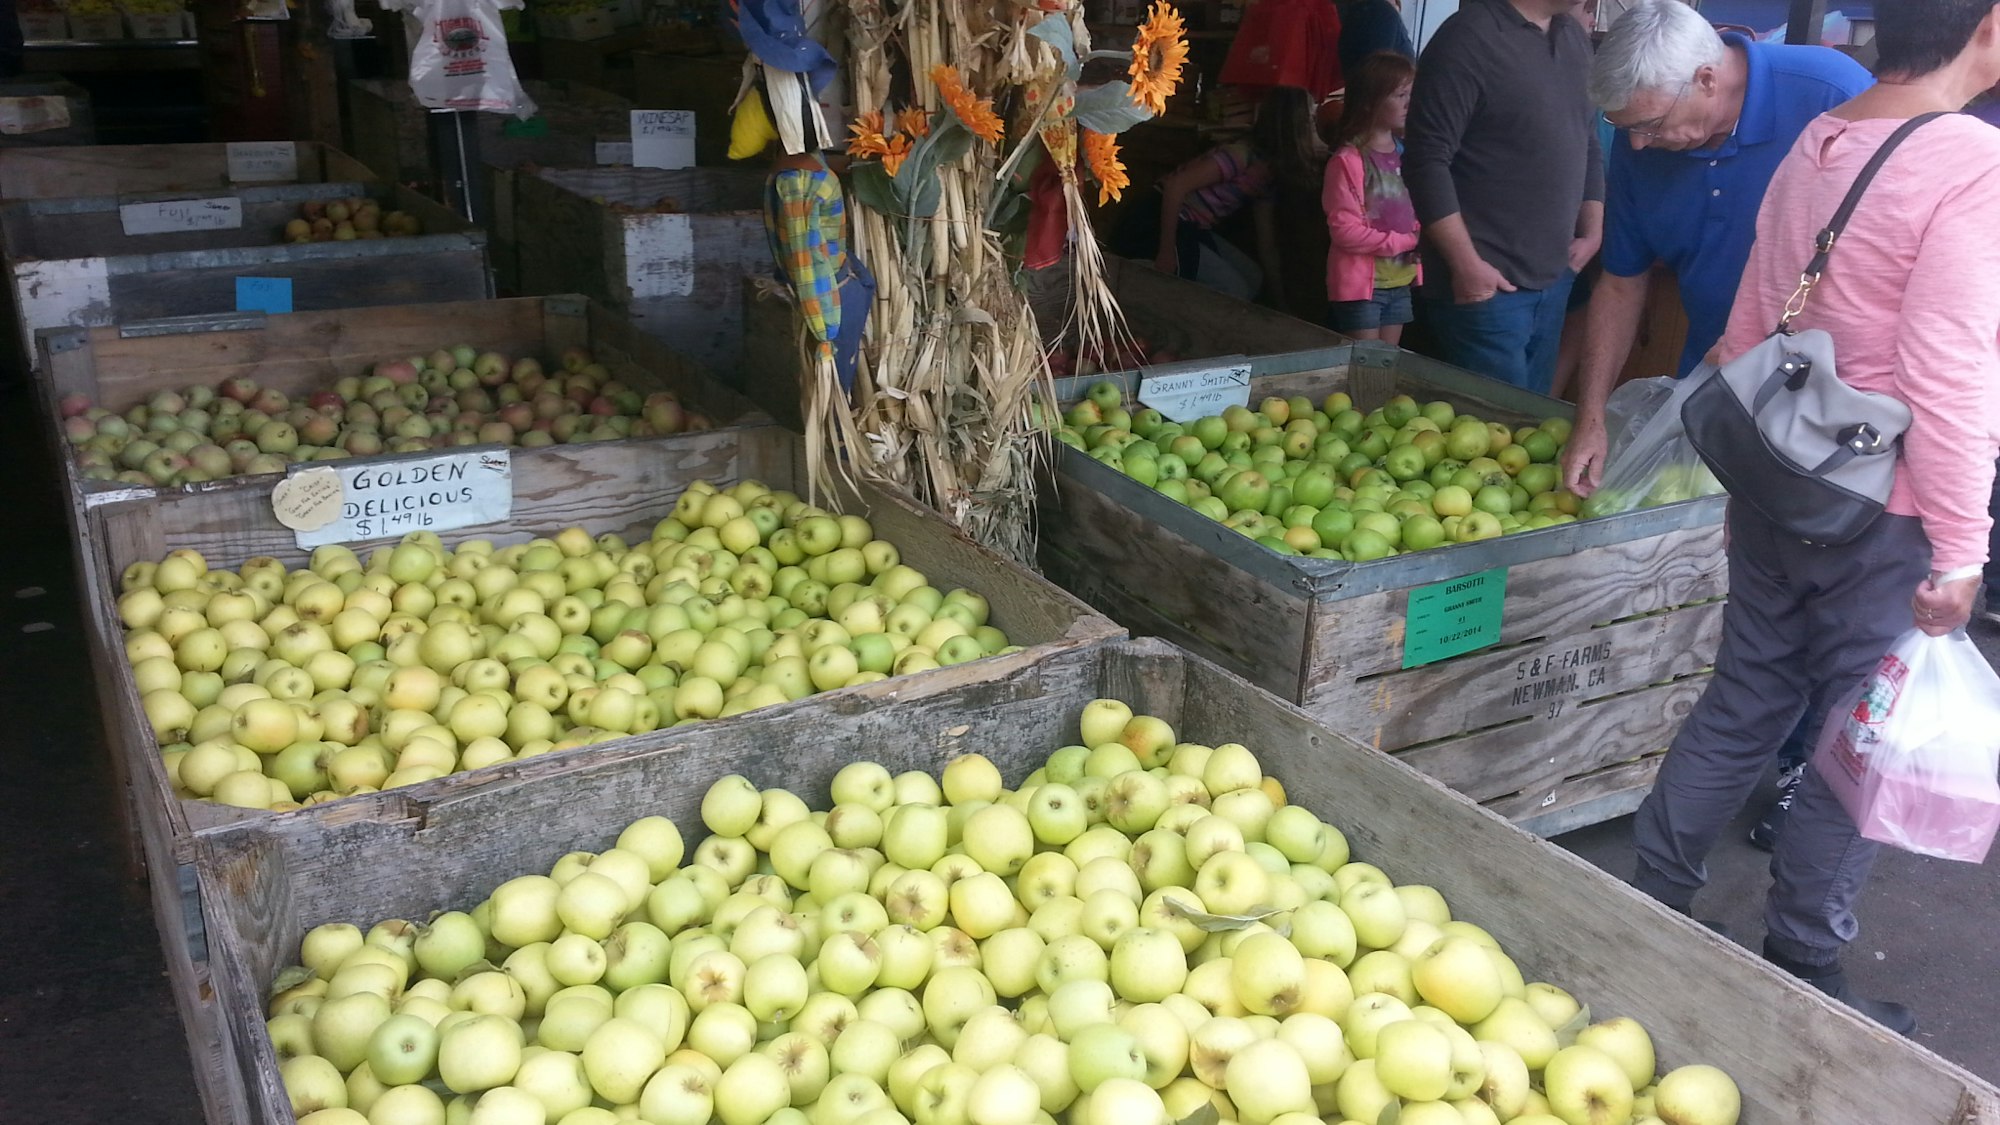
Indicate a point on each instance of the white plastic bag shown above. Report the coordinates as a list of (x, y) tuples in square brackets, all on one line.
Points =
[(459, 59), (1913, 753), (1648, 459)]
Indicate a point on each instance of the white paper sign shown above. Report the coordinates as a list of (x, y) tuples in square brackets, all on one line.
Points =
[(388, 499), (1195, 389), (659, 255), (182, 215), (663, 138), (255, 162), (614, 152)]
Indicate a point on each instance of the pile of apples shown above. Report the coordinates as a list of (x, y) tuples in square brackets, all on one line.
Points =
[(1142, 933), (270, 688), (452, 397), (345, 220), (1328, 481)]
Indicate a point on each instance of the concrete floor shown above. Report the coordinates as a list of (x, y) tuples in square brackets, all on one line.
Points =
[(88, 1030)]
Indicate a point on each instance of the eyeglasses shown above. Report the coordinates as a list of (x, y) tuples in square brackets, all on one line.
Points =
[(1651, 130)]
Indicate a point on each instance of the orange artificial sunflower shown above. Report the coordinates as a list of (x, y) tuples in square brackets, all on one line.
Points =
[(975, 113), (915, 122), (1158, 53), (867, 139), (894, 151), (1100, 152)]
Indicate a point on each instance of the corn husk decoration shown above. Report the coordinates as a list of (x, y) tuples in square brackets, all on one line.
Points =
[(951, 99)]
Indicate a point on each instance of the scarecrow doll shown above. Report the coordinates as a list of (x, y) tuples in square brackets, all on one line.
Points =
[(776, 110)]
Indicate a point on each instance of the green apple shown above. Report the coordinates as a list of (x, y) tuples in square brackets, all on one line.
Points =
[(1267, 1079), (1375, 911), (1458, 977), (479, 1053), (403, 1050), (1628, 1044), (1516, 1025), (1267, 974), (1698, 1095), (1147, 965), (1413, 1060), (1585, 1086), (1102, 1052)]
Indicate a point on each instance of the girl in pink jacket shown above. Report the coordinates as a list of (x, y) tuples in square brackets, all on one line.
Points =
[(1373, 225)]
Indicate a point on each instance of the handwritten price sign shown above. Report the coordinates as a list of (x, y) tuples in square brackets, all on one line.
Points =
[(663, 138), (1184, 392), (263, 162), (175, 215)]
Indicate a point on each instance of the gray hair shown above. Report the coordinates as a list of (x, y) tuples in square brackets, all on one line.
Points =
[(1655, 46)]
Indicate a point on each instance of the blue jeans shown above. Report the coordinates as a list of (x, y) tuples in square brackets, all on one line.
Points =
[(1512, 337)]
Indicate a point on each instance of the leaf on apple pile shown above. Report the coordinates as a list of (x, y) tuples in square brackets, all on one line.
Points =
[(1391, 1113), (289, 979), (1566, 1034), (1223, 923)]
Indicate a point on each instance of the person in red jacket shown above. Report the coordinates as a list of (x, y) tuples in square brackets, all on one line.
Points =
[(1371, 221)]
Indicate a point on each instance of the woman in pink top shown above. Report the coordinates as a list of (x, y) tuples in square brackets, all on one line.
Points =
[(1912, 300), (1371, 222)]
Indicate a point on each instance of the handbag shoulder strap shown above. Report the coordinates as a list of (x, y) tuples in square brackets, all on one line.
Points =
[(1835, 227)]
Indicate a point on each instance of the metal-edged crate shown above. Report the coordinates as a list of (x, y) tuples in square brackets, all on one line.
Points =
[(1796, 1055), (70, 263), (1608, 628), (668, 248)]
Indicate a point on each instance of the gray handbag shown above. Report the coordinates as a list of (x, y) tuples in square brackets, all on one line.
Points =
[(1783, 433)]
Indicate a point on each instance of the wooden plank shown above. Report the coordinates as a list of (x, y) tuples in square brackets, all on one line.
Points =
[(1796, 1055), (1612, 791), (1553, 597), (1160, 584), (91, 170), (769, 374), (1537, 759), (1398, 708), (404, 275)]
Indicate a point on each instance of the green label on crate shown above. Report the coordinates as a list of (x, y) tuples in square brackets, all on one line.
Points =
[(1453, 617), (536, 126)]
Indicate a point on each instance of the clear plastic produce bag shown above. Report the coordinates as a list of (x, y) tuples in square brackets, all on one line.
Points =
[(1914, 751), (1649, 460)]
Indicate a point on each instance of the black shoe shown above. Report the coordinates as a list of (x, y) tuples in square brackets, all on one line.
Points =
[(1765, 834), (1832, 980)]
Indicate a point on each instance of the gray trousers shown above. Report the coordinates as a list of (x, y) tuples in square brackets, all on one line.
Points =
[(1803, 625)]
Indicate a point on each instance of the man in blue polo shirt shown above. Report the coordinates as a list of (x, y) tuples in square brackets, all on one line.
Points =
[(1703, 121)]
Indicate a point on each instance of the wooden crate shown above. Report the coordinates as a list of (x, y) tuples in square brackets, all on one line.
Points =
[(94, 170), (45, 112), (1609, 628), (305, 351), (705, 84), (678, 275), (1797, 1056), (1192, 321), (390, 132), (625, 487), (574, 125), (69, 262)]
